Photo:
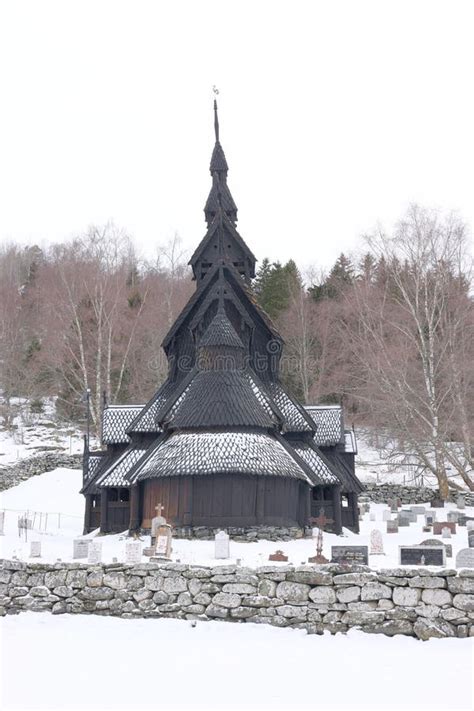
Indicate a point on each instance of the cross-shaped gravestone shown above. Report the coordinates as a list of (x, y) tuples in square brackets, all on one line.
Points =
[(320, 521)]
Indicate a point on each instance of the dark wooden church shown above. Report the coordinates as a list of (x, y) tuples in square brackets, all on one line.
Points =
[(222, 443)]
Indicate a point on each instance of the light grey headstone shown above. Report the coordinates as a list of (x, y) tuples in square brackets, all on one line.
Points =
[(2, 522), (95, 553), (418, 510), (461, 502), (221, 545), (470, 539), (133, 552), (446, 533), (386, 515), (372, 517), (470, 525), (465, 558), (376, 542), (80, 547), (452, 516), (35, 549)]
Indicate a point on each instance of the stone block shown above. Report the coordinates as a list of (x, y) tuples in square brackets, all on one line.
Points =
[(426, 581), (426, 629), (267, 588), (436, 597), (462, 602), (322, 595), (375, 591), (293, 592), (408, 597), (229, 600), (350, 594)]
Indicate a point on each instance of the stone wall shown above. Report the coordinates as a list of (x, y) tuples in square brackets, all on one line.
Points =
[(382, 493), (249, 534), (13, 474), (416, 602)]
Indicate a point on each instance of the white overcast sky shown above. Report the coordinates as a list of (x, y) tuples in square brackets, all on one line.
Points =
[(333, 115)]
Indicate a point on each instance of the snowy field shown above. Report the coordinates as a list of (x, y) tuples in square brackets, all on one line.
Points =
[(56, 662), (56, 493)]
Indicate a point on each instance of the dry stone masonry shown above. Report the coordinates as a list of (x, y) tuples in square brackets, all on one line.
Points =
[(24, 469), (415, 602)]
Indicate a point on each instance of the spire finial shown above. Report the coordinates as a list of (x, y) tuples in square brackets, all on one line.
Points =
[(216, 118)]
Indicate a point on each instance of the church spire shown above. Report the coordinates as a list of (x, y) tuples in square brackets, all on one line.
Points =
[(220, 193)]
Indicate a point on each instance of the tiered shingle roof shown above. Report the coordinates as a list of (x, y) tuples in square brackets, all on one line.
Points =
[(116, 420), (329, 424)]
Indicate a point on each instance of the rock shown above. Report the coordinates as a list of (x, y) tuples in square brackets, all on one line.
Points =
[(409, 597), (35, 579), (356, 617), (196, 609), (315, 616), (310, 576), (75, 578), (64, 591), (436, 597), (39, 591), (462, 602), (142, 594), (198, 573), (161, 598), (175, 585), (364, 606), (94, 580), (154, 582), (384, 604), (293, 592), (55, 578), (146, 605), (261, 601), (239, 588), (18, 592), (333, 616), (461, 585), (375, 591), (267, 588), (194, 586), (293, 611), (59, 608), (427, 582), (350, 594), (243, 612), (96, 593), (391, 628), (184, 599), (5, 575), (401, 613), (431, 611), (354, 578), (217, 611), (19, 578), (426, 628), (451, 614), (322, 595), (227, 600), (116, 581), (202, 598), (210, 588)]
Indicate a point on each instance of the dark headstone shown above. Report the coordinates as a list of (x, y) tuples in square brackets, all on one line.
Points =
[(449, 550), (463, 519), (279, 556), (452, 516), (437, 504), (422, 555), (470, 539), (403, 520), (439, 525), (350, 554), (392, 526), (426, 529)]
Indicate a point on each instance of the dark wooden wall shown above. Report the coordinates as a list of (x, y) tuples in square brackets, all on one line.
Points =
[(226, 500)]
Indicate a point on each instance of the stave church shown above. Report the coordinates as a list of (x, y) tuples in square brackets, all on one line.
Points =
[(222, 443)]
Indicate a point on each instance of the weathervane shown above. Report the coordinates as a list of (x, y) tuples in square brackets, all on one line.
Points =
[(216, 119)]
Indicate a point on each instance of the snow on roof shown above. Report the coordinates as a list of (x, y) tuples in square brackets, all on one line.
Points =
[(317, 463), (115, 474), (328, 419), (115, 421), (231, 452)]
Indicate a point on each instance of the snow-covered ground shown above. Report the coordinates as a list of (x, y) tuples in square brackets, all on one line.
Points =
[(99, 663), (35, 433), (57, 494)]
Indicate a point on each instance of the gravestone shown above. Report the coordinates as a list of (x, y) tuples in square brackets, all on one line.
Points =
[(430, 518), (156, 522), (376, 542), (446, 532), (386, 515), (133, 552), (470, 539), (470, 525), (148, 551), (461, 502), (350, 554), (392, 526), (422, 555), (464, 520), (393, 503), (221, 545), (452, 516), (372, 517), (80, 547), (439, 525), (437, 504), (95, 553), (418, 510), (426, 529), (2, 522), (35, 549), (402, 520), (449, 550), (465, 558), (163, 542), (278, 556), (410, 515)]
